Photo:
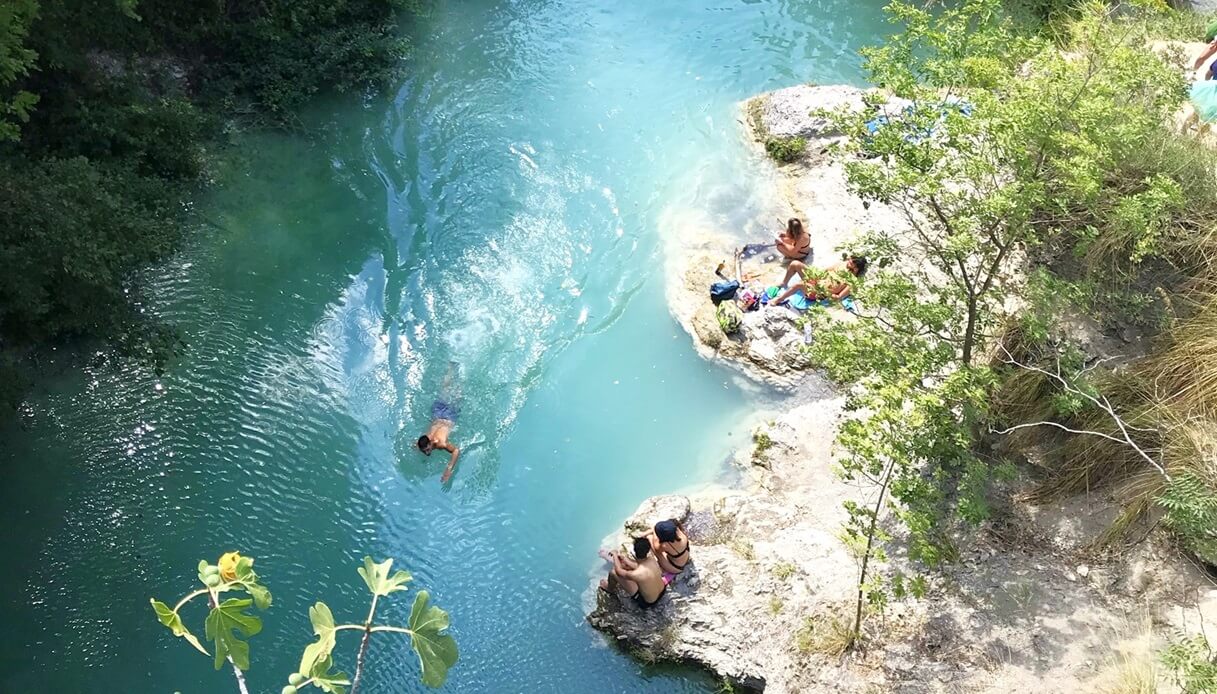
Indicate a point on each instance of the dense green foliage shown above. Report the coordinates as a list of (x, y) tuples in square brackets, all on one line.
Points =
[(229, 626), (1033, 169), (1192, 665), (785, 149), (15, 63), (108, 112)]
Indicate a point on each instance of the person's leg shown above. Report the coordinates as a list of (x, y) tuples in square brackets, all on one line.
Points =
[(450, 389), (630, 587), (799, 287), (611, 583), (795, 266)]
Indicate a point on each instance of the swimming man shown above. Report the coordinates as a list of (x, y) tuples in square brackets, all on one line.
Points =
[(444, 412)]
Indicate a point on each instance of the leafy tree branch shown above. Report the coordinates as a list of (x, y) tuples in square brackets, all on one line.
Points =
[(228, 626)]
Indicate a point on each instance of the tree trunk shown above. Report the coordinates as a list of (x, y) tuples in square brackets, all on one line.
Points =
[(870, 543), (969, 334)]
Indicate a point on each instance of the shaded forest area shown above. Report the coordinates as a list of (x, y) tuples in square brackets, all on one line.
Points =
[(110, 111)]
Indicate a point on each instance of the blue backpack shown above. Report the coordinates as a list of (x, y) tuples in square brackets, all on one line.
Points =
[(723, 291)]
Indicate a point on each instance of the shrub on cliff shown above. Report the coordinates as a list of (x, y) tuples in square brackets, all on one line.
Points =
[(785, 149)]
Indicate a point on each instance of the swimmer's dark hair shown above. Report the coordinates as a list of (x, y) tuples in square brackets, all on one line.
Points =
[(860, 264), (794, 226), (424, 444), (642, 547)]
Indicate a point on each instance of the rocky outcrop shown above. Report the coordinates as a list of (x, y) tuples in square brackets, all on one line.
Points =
[(770, 343), (770, 347), (1202, 6), (763, 559), (1030, 605), (793, 112)]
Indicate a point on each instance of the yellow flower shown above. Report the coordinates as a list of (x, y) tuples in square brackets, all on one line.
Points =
[(228, 565)]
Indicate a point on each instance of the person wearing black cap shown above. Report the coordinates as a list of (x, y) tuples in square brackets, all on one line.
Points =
[(671, 546)]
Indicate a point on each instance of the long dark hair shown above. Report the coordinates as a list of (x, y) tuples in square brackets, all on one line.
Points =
[(794, 227)]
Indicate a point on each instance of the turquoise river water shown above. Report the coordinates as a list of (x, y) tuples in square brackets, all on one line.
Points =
[(501, 208)]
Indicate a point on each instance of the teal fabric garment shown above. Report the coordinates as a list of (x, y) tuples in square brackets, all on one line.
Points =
[(796, 300), (1204, 99)]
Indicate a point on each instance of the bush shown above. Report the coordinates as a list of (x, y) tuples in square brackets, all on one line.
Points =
[(71, 232), (785, 149), (1192, 665), (271, 57)]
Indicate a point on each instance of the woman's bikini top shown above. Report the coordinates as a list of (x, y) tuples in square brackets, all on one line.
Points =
[(802, 245), (673, 557)]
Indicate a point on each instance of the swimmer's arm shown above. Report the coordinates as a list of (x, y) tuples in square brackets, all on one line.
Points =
[(456, 453)]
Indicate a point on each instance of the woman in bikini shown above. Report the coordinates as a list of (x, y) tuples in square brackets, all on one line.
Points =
[(671, 546), (794, 243)]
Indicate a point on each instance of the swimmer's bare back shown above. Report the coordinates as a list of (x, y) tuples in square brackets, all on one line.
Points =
[(436, 438)]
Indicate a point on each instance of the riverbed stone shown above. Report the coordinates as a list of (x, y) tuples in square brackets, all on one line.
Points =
[(655, 509), (793, 111)]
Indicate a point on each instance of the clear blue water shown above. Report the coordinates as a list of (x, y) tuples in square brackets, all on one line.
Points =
[(502, 207)]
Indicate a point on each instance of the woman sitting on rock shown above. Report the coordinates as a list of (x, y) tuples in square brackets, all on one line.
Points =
[(794, 243), (671, 546)]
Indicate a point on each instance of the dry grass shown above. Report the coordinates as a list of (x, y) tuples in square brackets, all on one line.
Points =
[(1133, 674), (1170, 398), (775, 605), (743, 548), (1132, 667), (1184, 372), (824, 634), (784, 570)]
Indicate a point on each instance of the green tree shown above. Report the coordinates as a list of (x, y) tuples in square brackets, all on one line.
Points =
[(1192, 665), (108, 112), (1000, 144), (229, 625), (16, 61)]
